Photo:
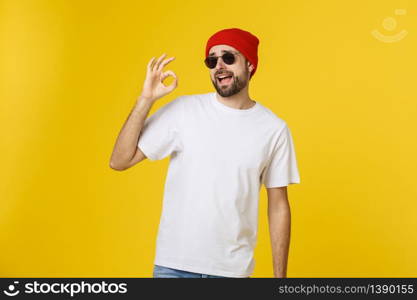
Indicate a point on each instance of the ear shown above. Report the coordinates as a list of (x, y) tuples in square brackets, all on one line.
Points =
[(250, 66)]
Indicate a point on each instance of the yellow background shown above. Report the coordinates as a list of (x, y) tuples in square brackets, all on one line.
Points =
[(70, 72)]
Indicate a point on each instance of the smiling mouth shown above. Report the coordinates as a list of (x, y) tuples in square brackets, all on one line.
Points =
[(224, 80)]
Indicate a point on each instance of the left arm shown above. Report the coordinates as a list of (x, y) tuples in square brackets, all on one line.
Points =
[(279, 217)]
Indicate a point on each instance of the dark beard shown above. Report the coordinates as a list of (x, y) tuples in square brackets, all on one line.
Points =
[(235, 87)]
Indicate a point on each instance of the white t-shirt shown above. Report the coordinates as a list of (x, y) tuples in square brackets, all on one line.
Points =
[(219, 158)]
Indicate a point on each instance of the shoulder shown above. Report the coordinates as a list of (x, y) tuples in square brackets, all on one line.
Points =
[(181, 101), (193, 98), (195, 102), (275, 121)]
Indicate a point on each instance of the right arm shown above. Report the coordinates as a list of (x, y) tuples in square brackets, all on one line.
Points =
[(126, 153)]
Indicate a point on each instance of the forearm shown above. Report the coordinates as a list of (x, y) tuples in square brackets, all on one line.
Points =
[(126, 143), (280, 229)]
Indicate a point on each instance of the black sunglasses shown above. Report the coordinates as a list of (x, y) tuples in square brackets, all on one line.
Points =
[(227, 57)]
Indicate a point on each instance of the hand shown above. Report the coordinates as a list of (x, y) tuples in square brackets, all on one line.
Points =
[(153, 87)]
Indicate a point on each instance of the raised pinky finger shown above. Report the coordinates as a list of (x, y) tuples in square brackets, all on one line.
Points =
[(150, 63)]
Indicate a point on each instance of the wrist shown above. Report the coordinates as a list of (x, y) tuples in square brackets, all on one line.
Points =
[(145, 98), (142, 99)]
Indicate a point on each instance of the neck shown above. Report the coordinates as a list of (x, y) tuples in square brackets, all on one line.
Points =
[(240, 100)]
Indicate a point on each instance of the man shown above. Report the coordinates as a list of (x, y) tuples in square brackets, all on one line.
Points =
[(222, 146)]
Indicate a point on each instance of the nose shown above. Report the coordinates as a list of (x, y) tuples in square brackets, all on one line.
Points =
[(220, 63)]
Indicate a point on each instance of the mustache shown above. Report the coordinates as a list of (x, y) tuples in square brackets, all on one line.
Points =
[(223, 73)]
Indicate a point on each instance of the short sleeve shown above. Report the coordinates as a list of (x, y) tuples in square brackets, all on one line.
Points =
[(160, 135), (281, 169)]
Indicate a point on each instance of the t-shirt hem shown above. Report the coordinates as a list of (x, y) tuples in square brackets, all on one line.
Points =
[(281, 184), (148, 153), (196, 269)]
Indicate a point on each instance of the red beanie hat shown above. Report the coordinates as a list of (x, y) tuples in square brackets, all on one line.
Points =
[(239, 39)]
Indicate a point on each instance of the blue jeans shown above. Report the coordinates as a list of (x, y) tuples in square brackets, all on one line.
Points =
[(164, 272)]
